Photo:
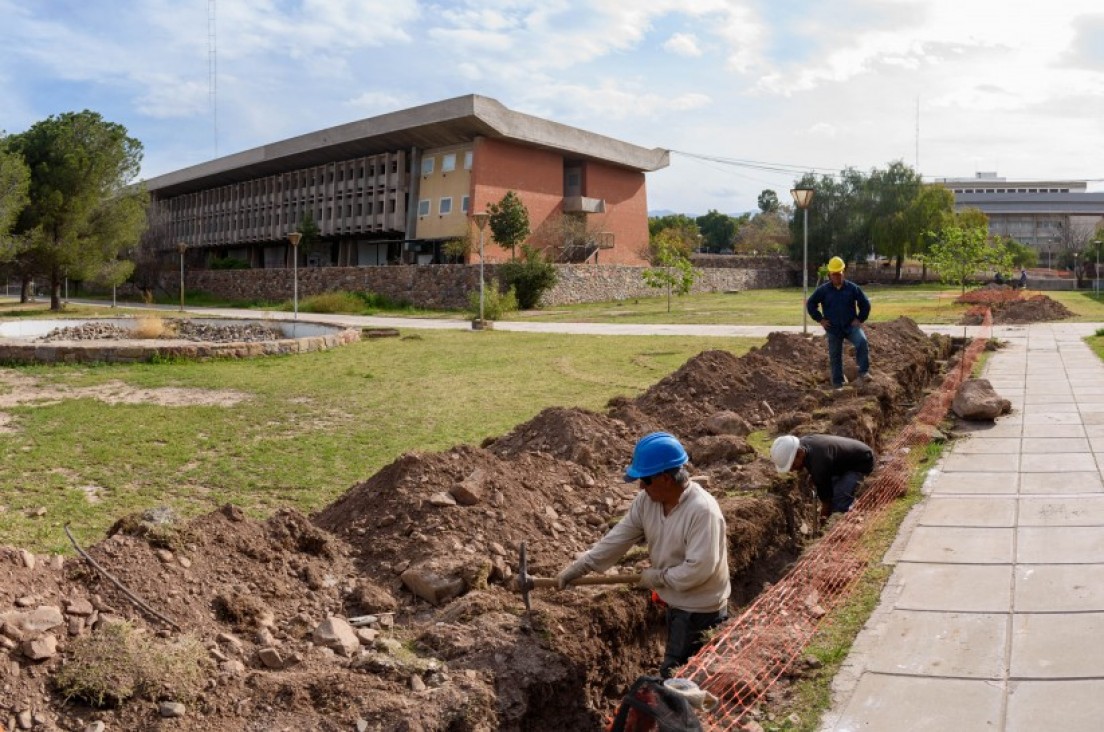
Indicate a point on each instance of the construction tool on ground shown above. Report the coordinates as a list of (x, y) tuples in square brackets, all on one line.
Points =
[(524, 582)]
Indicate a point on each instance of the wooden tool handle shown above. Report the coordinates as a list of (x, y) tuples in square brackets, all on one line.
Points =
[(595, 579)]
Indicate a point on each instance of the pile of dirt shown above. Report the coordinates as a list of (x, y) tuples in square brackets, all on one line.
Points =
[(1011, 306), (391, 609)]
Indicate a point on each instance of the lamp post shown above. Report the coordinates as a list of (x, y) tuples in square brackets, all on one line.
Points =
[(802, 198), (181, 247), (481, 221), (294, 238)]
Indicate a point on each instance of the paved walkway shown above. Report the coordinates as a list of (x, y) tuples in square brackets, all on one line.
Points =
[(994, 616)]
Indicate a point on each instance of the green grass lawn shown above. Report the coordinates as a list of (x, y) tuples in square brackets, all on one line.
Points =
[(931, 304), (310, 427)]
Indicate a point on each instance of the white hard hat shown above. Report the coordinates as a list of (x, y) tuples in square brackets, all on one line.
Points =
[(783, 452)]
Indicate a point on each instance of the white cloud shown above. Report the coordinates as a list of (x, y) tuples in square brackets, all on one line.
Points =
[(684, 44)]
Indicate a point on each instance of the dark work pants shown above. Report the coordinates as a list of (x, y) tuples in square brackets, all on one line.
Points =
[(835, 353), (843, 491), (685, 631)]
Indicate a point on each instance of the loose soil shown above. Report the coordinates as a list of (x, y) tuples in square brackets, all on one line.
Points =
[(1011, 306), (450, 524)]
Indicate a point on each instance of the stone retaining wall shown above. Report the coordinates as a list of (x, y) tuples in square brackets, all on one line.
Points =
[(135, 351), (446, 286)]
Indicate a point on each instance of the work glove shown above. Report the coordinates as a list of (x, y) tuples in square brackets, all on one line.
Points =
[(651, 579), (570, 573)]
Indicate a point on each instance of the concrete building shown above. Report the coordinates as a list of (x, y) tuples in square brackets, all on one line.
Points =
[(401, 187), (1050, 215)]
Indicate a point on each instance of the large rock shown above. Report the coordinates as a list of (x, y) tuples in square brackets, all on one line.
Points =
[(336, 633), (727, 423), (430, 586), (977, 401)]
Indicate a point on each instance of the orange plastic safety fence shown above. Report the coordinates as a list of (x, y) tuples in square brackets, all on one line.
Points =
[(747, 656)]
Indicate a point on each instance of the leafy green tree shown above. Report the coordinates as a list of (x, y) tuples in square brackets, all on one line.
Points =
[(311, 240), (890, 192), (529, 277), (930, 211), (509, 221), (765, 233), (1020, 256), (961, 253), (81, 213), (681, 222), (768, 201), (673, 269), (14, 183), (718, 230)]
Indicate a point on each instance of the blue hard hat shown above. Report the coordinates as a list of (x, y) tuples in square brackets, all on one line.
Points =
[(654, 454)]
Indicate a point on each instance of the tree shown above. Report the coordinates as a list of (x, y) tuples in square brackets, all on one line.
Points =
[(529, 277), (509, 221), (930, 211), (681, 222), (310, 242), (768, 201), (765, 233), (14, 183), (81, 213), (673, 269), (718, 230), (960, 253)]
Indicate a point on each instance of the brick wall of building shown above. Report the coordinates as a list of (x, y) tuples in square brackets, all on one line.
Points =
[(536, 175), (626, 212)]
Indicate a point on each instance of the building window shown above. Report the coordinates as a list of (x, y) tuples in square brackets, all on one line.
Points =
[(464, 202), (467, 160), (448, 163), (423, 207), (446, 206), (427, 166)]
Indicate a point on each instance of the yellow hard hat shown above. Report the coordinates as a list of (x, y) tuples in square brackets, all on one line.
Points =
[(835, 264)]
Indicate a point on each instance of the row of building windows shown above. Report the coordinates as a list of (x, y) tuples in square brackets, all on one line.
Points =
[(448, 163), (1014, 190), (444, 206)]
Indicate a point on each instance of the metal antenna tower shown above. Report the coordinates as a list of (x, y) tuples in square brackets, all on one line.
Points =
[(212, 70)]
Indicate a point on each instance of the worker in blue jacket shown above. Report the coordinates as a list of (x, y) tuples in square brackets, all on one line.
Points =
[(845, 308)]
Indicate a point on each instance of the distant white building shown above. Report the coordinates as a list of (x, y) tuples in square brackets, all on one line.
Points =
[(1049, 215)]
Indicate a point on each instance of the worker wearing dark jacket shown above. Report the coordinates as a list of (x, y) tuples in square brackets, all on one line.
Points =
[(836, 465), (845, 309)]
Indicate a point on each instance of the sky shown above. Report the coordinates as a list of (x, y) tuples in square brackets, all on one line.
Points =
[(746, 94)]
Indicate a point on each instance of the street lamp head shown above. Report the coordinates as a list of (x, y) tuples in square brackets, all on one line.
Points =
[(294, 237), (802, 196), (181, 246), (480, 218)]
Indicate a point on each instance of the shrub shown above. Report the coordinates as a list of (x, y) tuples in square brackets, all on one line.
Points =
[(118, 662), (228, 263), (332, 302), (531, 277), (495, 303), (152, 327)]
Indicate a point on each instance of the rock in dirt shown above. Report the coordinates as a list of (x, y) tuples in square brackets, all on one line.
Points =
[(469, 491), (727, 423), (977, 401), (336, 633), (40, 648), (172, 709), (430, 586)]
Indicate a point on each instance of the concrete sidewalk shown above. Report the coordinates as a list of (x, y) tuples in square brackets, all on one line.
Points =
[(993, 618)]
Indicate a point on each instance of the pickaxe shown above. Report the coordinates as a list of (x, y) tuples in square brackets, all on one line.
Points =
[(524, 582)]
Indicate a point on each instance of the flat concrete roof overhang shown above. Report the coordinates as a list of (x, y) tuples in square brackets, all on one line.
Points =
[(1054, 204), (449, 122)]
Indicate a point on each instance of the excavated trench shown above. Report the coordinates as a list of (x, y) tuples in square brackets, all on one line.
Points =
[(427, 548)]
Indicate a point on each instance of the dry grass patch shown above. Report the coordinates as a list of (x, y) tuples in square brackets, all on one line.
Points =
[(118, 662), (151, 327)]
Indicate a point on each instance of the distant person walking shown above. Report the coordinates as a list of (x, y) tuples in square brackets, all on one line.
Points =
[(1023, 279), (845, 309)]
